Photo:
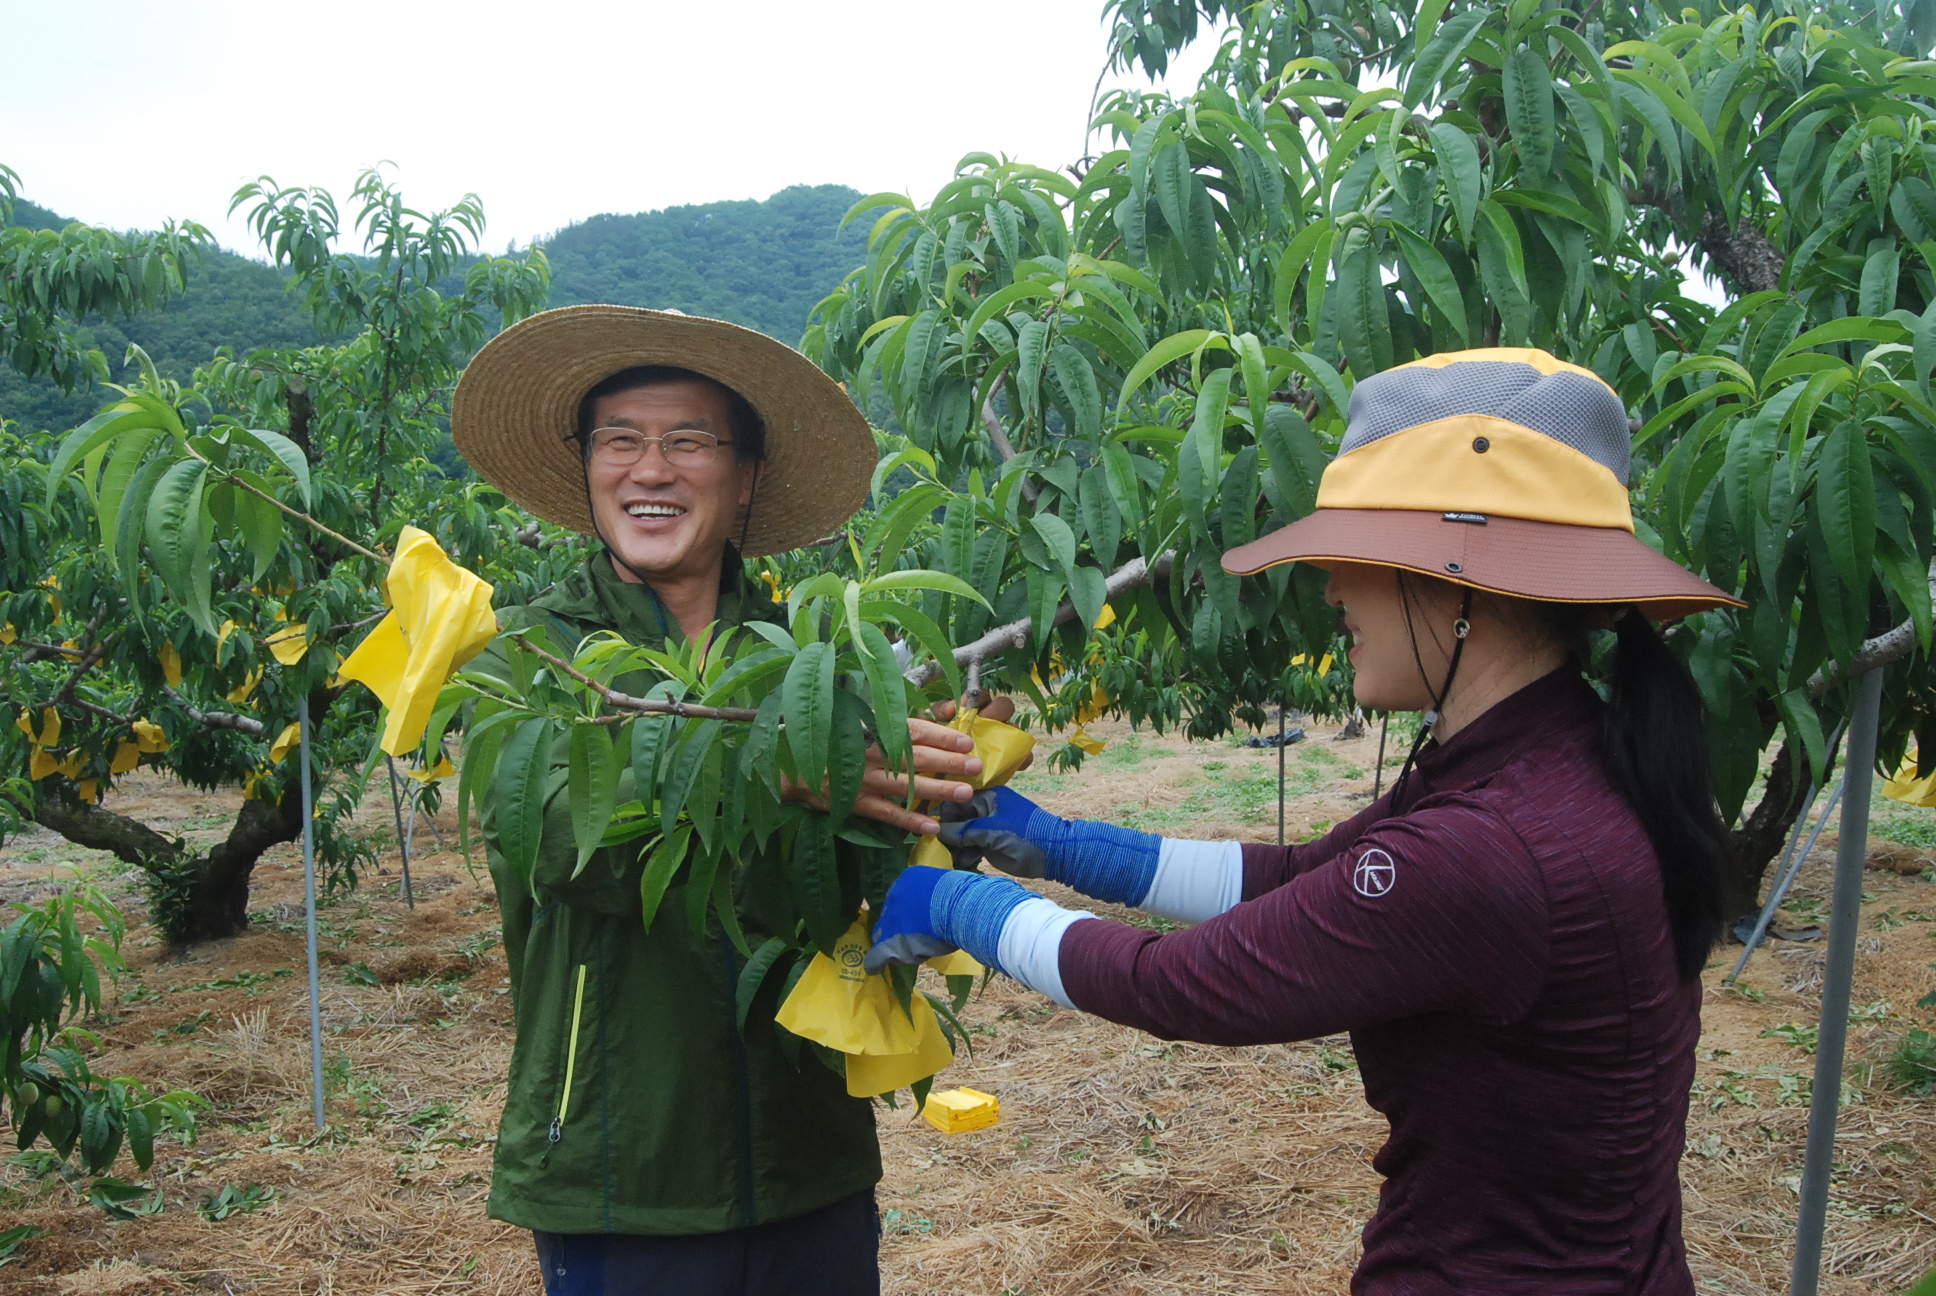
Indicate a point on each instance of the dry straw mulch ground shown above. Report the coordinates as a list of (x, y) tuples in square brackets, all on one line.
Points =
[(1122, 1163)]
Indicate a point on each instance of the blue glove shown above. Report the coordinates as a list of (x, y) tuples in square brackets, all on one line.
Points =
[(1022, 839), (930, 911)]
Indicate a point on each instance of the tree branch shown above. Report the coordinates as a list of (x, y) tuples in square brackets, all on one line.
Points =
[(1015, 634), (219, 719), (999, 437), (1889, 646), (129, 840), (644, 706)]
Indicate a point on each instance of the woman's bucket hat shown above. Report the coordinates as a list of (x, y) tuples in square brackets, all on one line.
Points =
[(515, 415), (1502, 469)]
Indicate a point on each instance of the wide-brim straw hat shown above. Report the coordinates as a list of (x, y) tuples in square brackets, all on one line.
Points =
[(1502, 469), (516, 411)]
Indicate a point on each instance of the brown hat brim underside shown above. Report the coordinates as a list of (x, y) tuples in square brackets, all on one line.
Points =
[(1547, 561)]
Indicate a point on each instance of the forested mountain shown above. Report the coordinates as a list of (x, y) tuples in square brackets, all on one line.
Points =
[(762, 264)]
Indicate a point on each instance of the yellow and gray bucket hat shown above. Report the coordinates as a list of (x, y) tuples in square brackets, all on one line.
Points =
[(1503, 469)]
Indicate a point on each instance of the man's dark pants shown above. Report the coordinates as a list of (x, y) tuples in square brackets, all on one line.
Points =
[(833, 1251)]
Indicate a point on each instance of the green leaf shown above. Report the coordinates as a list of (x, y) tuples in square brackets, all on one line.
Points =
[(685, 767), (1057, 536), (284, 450), (179, 539), (816, 883), (1879, 272), (1459, 172), (1032, 343), (1435, 276), (593, 786), (1100, 518), (519, 802), (753, 976), (889, 689), (1168, 351), (661, 862), (1291, 264), (807, 695), (847, 756), (1529, 107), (121, 470), (260, 523), (116, 420), (1441, 55), (1501, 221), (1296, 461), (1364, 325), (1853, 329), (922, 578), (1088, 591), (1845, 502), (1077, 379)]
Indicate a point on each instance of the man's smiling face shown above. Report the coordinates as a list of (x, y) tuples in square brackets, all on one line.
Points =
[(666, 521)]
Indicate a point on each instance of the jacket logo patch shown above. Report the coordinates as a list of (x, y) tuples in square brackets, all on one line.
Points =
[(1375, 874)]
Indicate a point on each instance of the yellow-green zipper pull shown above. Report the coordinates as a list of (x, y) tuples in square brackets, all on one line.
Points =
[(571, 1057)]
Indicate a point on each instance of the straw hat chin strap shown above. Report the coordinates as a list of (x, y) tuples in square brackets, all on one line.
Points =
[(1460, 629)]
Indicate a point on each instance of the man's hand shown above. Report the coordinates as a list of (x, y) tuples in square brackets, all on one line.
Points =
[(937, 750)]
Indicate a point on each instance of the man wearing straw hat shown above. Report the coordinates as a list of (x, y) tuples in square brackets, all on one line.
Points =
[(648, 1142)]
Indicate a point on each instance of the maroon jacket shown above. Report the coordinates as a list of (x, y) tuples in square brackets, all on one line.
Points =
[(1500, 954)]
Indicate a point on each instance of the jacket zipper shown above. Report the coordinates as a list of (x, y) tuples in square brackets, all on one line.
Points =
[(571, 1057)]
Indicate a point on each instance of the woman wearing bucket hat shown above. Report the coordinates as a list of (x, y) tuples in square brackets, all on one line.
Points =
[(1514, 934), (649, 1142)]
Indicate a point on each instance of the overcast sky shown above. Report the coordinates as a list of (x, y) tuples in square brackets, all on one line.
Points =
[(126, 112)]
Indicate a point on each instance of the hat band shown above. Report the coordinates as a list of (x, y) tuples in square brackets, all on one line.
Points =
[(1476, 463)]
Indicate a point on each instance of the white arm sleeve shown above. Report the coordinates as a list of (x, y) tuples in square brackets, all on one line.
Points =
[(1195, 880), (1031, 945)]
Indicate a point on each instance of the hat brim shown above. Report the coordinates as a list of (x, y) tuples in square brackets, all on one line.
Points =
[(517, 405), (1547, 561)]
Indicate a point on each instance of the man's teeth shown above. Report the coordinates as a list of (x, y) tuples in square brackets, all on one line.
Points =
[(654, 510)]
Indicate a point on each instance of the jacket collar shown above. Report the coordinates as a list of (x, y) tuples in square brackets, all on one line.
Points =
[(1556, 702), (595, 593)]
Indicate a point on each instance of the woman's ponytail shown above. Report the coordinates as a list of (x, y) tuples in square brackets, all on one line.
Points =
[(1656, 750)]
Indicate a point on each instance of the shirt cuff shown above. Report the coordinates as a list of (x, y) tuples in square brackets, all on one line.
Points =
[(1195, 880), (1031, 945)]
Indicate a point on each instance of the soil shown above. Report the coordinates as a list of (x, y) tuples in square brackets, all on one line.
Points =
[(1121, 1163)]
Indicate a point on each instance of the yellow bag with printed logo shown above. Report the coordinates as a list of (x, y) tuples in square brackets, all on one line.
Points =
[(836, 1004)]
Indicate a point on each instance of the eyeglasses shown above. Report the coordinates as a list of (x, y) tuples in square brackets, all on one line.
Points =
[(616, 447)]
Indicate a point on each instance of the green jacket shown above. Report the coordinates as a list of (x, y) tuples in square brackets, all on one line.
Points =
[(635, 1105)]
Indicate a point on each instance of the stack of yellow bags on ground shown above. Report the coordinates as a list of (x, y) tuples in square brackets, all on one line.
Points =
[(836, 1004), (956, 1111)]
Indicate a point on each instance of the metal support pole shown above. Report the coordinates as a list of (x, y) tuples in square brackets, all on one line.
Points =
[(1785, 871), (1851, 857), (309, 918), (1280, 773), (1791, 865), (403, 847)]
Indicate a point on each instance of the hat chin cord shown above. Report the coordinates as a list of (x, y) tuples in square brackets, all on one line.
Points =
[(1460, 629)]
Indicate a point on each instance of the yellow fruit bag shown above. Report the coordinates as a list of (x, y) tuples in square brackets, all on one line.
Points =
[(836, 1004), (1003, 750)]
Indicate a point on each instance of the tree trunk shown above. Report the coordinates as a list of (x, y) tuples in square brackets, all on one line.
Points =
[(211, 889), (1759, 838), (1743, 253)]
